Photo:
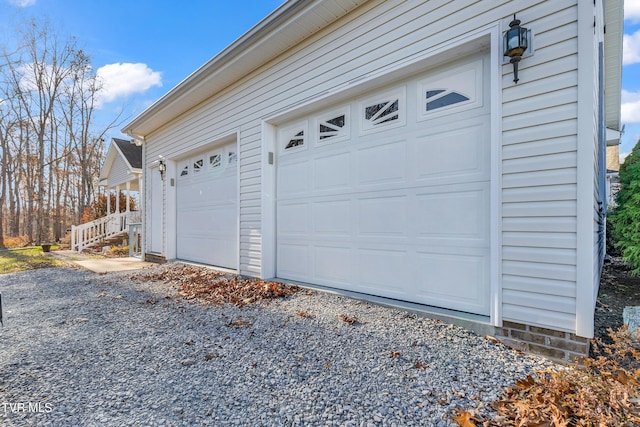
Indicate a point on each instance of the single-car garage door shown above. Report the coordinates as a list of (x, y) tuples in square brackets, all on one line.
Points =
[(207, 207), (388, 195)]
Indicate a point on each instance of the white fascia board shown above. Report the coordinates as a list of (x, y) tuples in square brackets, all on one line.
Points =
[(614, 21), (613, 137), (108, 162)]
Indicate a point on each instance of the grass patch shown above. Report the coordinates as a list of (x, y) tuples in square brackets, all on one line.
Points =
[(27, 259)]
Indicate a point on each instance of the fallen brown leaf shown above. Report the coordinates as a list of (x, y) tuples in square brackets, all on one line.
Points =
[(209, 286), (239, 322), (304, 314), (348, 319), (465, 418)]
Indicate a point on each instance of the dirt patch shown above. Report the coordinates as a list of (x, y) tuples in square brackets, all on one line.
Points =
[(618, 289)]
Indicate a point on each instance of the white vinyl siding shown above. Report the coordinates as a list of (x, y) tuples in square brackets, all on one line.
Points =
[(539, 183), (539, 127), (119, 173)]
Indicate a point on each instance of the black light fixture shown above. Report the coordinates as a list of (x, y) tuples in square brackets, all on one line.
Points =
[(162, 167), (515, 43)]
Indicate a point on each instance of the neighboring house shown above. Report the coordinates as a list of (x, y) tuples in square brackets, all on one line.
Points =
[(383, 148), (613, 186), (122, 170), (613, 171), (122, 167)]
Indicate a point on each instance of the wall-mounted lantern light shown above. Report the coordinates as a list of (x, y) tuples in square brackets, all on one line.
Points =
[(515, 43), (162, 167)]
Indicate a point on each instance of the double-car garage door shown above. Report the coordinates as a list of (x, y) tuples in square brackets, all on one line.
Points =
[(389, 194)]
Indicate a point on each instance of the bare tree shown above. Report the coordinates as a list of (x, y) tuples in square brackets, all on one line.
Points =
[(50, 153), (81, 96)]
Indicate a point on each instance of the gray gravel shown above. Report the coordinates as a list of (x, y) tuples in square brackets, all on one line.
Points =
[(79, 349)]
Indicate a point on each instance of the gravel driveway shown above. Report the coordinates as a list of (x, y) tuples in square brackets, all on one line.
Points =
[(80, 349)]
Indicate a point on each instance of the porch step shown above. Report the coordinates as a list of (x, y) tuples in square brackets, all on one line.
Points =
[(101, 230), (158, 259), (117, 240)]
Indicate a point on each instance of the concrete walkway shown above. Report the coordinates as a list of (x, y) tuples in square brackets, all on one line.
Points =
[(100, 264)]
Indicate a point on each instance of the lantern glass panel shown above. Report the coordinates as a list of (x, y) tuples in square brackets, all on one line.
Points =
[(515, 41)]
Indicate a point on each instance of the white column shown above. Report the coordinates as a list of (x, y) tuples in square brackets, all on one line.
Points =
[(117, 199), (108, 201), (128, 196)]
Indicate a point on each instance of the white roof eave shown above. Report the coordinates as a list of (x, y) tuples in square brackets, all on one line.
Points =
[(273, 35), (614, 22)]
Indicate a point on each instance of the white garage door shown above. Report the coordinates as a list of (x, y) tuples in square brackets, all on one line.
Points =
[(207, 207), (389, 195)]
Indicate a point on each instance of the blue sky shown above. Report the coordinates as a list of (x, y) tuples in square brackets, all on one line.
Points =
[(631, 77), (143, 48)]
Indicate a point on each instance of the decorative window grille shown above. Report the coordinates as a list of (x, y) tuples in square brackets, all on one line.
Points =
[(184, 171), (215, 160), (296, 141), (198, 165), (383, 112), (332, 128)]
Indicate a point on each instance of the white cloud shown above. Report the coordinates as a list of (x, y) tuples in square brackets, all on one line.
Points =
[(623, 156), (632, 10), (630, 108), (631, 48), (22, 3), (123, 79)]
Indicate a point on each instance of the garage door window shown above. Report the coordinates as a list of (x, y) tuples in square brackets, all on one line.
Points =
[(294, 137), (215, 160), (184, 170), (443, 98), (296, 141), (233, 157), (198, 165), (333, 126), (384, 110), (455, 90)]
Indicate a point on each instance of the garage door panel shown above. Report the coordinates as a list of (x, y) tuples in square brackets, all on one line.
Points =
[(332, 218), (332, 172), (383, 216), (383, 271), (453, 214), (383, 163), (293, 219), (294, 260), (216, 253), (333, 264), (222, 188), (211, 221), (447, 276), (293, 179), (433, 159)]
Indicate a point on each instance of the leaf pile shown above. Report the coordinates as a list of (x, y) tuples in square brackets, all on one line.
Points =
[(603, 392), (216, 288)]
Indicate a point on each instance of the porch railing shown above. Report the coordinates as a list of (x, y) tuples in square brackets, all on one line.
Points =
[(101, 229)]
